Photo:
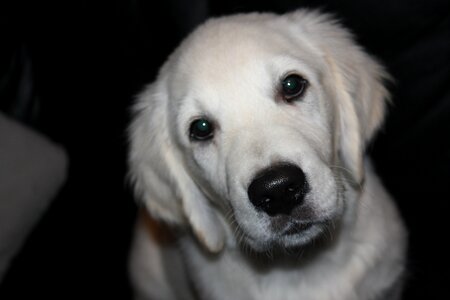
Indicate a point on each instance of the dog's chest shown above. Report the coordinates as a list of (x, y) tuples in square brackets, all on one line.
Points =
[(231, 276)]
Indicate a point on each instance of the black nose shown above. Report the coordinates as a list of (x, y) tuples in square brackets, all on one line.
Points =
[(278, 189)]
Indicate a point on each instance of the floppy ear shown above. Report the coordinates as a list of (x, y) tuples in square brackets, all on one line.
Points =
[(355, 81), (156, 168), (360, 103)]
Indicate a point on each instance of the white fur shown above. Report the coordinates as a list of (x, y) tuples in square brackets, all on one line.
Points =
[(229, 70)]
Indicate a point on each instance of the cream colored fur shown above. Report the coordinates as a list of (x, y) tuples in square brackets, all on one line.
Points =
[(229, 70)]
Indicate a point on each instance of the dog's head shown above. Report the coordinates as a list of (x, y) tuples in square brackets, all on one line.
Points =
[(252, 127)]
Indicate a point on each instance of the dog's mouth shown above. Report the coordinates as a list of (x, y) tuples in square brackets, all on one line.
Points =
[(301, 234), (297, 228), (296, 234)]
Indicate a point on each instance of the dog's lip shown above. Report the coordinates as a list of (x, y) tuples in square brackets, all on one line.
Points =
[(297, 227)]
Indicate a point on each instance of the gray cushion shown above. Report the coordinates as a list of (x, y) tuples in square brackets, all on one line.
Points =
[(32, 169)]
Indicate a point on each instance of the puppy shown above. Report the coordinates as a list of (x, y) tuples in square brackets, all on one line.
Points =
[(249, 148)]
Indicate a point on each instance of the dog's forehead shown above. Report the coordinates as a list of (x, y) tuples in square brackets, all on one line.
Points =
[(228, 37), (229, 55), (222, 49)]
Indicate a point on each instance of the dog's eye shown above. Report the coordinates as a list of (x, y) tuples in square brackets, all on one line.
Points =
[(293, 86), (201, 130)]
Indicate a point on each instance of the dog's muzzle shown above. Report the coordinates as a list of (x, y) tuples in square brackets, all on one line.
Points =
[(278, 189)]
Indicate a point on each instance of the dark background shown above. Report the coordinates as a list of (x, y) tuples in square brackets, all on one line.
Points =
[(82, 63)]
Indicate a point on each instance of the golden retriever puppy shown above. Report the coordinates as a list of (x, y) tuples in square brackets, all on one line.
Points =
[(249, 148)]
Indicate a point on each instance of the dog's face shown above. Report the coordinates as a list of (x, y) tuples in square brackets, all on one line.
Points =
[(246, 132), (237, 121)]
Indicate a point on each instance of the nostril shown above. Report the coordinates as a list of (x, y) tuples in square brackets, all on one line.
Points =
[(265, 203), (277, 190)]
